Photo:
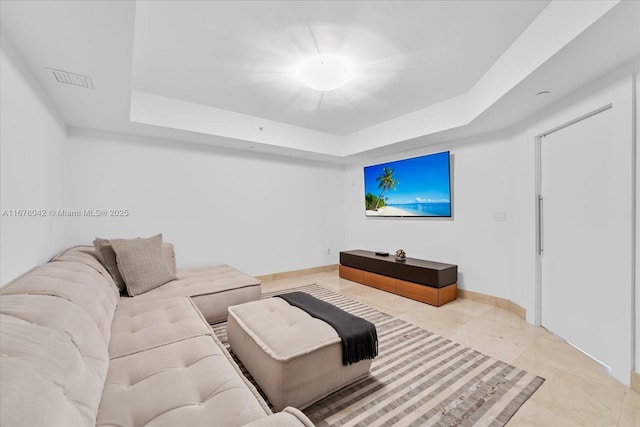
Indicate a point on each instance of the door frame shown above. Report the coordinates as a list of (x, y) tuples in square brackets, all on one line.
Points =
[(539, 206)]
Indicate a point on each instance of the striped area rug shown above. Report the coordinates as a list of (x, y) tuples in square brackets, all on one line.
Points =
[(418, 379)]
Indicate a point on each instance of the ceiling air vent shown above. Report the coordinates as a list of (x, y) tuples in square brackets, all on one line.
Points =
[(71, 78)]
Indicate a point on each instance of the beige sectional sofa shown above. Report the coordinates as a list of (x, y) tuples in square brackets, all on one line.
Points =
[(76, 353)]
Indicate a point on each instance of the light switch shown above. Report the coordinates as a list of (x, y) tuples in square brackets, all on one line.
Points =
[(500, 216)]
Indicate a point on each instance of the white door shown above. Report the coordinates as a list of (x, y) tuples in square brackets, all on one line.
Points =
[(585, 220)]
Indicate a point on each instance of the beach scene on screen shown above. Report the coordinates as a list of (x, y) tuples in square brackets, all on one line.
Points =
[(418, 186)]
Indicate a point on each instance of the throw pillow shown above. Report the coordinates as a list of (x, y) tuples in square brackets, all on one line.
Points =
[(107, 257), (142, 264), (169, 256)]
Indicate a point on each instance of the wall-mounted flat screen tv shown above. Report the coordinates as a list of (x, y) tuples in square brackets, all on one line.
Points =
[(416, 187)]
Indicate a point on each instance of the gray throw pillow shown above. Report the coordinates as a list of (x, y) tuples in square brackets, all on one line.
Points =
[(169, 256), (107, 257), (142, 264)]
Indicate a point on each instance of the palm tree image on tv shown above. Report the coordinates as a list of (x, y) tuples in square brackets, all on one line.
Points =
[(386, 181), (372, 202), (418, 186)]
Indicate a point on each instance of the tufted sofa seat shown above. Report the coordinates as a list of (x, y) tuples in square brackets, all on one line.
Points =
[(212, 289), (74, 353)]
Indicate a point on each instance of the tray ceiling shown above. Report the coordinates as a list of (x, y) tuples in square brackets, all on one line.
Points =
[(224, 73)]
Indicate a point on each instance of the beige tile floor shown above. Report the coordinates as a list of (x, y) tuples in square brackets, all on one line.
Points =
[(577, 391)]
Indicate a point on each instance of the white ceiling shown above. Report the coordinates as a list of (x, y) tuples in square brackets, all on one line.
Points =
[(242, 56), (223, 73)]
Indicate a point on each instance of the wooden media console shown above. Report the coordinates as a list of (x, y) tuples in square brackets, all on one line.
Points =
[(426, 281)]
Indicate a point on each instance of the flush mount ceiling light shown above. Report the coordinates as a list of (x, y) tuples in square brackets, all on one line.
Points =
[(325, 72)]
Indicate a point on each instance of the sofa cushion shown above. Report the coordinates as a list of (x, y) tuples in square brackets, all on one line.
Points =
[(76, 282), (86, 255), (107, 256), (54, 361), (213, 289), (282, 331), (187, 383), (169, 256), (141, 263), (55, 325), (148, 324)]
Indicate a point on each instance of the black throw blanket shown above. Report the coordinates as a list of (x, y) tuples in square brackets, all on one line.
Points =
[(359, 337)]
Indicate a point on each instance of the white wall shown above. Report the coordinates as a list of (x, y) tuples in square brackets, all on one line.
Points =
[(483, 183), (32, 153), (489, 175), (259, 214)]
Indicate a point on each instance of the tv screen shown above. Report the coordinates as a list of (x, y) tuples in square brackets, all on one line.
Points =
[(417, 187)]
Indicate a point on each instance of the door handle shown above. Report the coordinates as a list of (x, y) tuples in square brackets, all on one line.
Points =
[(540, 248)]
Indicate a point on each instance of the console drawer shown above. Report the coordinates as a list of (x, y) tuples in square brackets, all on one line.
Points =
[(352, 274), (417, 292), (384, 283)]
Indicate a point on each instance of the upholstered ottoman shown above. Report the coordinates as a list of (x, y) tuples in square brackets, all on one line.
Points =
[(295, 358)]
